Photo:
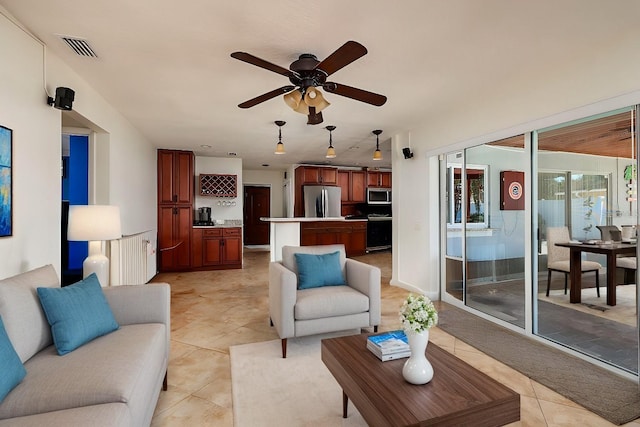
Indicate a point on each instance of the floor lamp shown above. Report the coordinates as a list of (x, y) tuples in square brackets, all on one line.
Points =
[(95, 224)]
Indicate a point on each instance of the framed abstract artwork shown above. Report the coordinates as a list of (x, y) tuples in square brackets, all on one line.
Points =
[(6, 196)]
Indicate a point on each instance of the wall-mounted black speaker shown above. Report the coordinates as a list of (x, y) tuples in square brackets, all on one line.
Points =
[(63, 100), (407, 153)]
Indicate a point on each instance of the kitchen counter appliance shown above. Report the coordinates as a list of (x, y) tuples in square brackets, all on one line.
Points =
[(322, 201)]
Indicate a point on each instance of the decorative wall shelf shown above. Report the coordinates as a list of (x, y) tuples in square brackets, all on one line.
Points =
[(218, 185)]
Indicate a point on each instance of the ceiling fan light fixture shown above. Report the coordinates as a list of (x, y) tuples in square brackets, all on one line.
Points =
[(313, 98), (293, 98), (377, 155), (280, 145), (331, 152), (314, 118)]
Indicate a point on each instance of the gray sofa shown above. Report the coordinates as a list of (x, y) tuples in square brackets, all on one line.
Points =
[(114, 380)]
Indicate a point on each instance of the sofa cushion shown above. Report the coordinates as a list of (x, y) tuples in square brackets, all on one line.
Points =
[(22, 313), (77, 313), (123, 366), (316, 303), (319, 270), (10, 365), (107, 415)]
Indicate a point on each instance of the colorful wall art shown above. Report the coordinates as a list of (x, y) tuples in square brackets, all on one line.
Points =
[(6, 208)]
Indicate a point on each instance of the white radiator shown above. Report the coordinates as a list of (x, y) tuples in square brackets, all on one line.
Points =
[(133, 259)]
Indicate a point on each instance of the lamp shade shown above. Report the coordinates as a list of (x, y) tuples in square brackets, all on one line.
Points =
[(293, 98), (377, 155), (280, 148), (331, 153), (314, 98), (94, 222)]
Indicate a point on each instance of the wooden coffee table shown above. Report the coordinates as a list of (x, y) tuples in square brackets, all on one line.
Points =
[(457, 395)]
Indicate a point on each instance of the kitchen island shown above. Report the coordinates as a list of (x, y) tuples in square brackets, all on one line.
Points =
[(300, 231)]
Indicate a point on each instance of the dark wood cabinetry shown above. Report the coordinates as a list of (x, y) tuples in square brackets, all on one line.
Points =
[(316, 175), (217, 248), (174, 237), (379, 179), (175, 177), (353, 234), (175, 209), (353, 185)]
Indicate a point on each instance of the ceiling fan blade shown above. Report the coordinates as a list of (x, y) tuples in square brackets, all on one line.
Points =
[(254, 60), (344, 55), (355, 93), (266, 96)]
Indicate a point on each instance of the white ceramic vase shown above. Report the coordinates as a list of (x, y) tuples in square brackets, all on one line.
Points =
[(417, 369)]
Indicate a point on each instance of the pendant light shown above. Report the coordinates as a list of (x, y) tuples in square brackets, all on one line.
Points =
[(280, 145), (377, 155), (331, 152)]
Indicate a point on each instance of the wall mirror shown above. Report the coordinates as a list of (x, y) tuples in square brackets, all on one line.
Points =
[(470, 198)]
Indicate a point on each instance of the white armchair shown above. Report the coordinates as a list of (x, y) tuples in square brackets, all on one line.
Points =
[(300, 312)]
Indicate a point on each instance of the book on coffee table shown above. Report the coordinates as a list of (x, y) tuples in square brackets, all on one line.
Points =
[(389, 345)]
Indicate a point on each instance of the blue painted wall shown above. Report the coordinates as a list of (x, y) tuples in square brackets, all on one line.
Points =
[(75, 189)]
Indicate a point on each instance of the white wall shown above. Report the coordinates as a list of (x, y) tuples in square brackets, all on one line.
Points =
[(129, 181), (220, 165), (273, 179), (557, 94)]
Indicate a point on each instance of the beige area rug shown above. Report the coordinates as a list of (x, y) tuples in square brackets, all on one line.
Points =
[(623, 312), (297, 391)]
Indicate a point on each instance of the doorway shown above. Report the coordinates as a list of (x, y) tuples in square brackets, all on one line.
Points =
[(257, 204), (75, 191)]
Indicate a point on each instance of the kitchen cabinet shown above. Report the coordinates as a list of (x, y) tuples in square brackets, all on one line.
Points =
[(219, 248), (175, 209), (354, 187), (352, 234), (316, 175), (174, 237), (175, 177), (311, 175), (379, 179)]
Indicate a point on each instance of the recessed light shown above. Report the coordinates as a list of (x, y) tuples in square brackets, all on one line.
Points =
[(205, 146), (265, 165)]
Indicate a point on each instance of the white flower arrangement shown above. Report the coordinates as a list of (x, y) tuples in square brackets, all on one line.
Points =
[(418, 314)]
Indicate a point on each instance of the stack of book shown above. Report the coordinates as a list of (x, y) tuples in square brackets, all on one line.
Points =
[(389, 345)]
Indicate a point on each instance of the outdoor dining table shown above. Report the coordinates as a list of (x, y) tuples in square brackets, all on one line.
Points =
[(611, 250)]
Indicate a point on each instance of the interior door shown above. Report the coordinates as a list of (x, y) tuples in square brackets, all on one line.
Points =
[(257, 204)]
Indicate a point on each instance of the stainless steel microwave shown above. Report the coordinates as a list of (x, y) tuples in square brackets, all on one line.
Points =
[(379, 196)]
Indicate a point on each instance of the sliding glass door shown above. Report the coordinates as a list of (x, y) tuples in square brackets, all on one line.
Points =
[(507, 206), (586, 187), (485, 228)]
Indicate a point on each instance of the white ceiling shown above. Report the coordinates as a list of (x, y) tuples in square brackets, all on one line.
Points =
[(166, 65)]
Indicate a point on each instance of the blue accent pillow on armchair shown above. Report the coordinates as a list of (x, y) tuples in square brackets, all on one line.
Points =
[(315, 271), (77, 313), (11, 369)]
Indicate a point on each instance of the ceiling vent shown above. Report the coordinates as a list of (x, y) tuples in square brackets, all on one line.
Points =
[(80, 46)]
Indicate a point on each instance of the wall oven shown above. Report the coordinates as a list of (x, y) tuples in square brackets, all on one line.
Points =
[(379, 196)]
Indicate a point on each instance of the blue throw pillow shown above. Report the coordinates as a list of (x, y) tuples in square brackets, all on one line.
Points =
[(315, 271), (11, 368), (77, 313)]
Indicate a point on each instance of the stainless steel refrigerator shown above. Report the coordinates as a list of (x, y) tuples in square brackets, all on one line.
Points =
[(321, 201)]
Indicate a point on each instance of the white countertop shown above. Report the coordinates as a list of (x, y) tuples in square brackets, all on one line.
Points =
[(303, 219)]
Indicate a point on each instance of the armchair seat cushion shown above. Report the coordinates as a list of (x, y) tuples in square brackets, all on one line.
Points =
[(323, 302)]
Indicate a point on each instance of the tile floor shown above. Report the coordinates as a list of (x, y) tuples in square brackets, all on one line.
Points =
[(214, 310)]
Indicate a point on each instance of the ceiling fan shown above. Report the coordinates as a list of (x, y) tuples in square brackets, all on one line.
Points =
[(306, 74)]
